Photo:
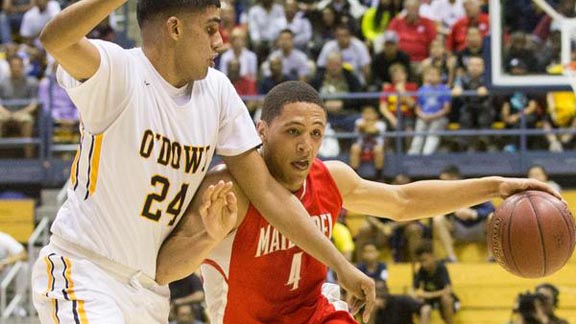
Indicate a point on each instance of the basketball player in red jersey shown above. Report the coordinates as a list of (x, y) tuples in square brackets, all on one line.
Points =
[(254, 274)]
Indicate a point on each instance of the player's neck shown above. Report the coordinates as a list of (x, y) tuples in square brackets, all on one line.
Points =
[(164, 63)]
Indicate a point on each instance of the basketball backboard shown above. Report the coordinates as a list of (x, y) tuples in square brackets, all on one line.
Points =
[(547, 27)]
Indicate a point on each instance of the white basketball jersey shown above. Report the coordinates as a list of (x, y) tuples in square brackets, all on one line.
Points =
[(142, 156)]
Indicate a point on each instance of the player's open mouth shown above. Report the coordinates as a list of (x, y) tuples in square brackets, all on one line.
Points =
[(301, 165)]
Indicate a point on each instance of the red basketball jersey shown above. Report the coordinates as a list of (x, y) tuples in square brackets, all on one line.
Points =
[(256, 275)]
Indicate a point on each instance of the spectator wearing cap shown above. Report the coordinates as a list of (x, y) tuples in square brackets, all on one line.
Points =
[(520, 50), (384, 59), (354, 53), (456, 40), (415, 33)]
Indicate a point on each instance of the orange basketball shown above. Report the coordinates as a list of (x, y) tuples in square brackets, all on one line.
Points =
[(532, 234)]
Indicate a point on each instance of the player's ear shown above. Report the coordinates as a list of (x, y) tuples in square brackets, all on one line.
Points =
[(261, 128), (174, 27)]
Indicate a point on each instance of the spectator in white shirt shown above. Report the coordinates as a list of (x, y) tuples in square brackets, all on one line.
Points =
[(11, 251), (294, 62), (354, 52), (265, 21), (445, 13), (248, 60), (37, 17)]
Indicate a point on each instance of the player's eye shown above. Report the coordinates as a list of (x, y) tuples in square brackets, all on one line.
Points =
[(316, 133), (293, 131)]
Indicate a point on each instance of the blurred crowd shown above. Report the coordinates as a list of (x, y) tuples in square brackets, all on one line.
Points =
[(422, 61)]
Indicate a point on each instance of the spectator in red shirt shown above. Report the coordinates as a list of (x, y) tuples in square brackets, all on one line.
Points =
[(415, 32), (456, 40)]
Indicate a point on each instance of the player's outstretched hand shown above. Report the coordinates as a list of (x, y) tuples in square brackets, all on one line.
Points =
[(361, 290), (510, 186), (219, 210)]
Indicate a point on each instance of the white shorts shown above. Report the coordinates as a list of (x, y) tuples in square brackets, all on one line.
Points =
[(69, 287)]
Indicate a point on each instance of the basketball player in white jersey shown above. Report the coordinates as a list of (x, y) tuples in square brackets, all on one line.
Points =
[(152, 118)]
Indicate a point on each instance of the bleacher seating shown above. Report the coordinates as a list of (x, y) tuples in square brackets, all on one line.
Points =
[(487, 292)]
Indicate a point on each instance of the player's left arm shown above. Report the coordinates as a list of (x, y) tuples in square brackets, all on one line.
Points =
[(211, 215), (423, 199)]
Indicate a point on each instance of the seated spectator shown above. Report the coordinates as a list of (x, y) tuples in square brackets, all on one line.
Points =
[(348, 12), (335, 80), (398, 309), (370, 264), (376, 19), (561, 115), (446, 13), (530, 309), (456, 40), (520, 110), (465, 225), (55, 100), (550, 299), (442, 60), (396, 106), (299, 24), (473, 48), (353, 52), (415, 33), (19, 87), (248, 60), (228, 25), (538, 172), (384, 59), (432, 109), (432, 284), (244, 85), (276, 76), (370, 142), (323, 30), (37, 17), (14, 10), (520, 50), (11, 251), (265, 21), (295, 63), (475, 111), (403, 238)]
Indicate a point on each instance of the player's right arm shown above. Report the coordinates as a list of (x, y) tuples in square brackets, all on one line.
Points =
[(64, 36)]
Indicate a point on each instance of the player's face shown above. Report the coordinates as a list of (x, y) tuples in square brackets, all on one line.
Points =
[(291, 142), (200, 38)]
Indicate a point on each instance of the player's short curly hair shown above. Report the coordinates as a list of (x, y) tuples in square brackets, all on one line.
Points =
[(147, 9), (285, 93)]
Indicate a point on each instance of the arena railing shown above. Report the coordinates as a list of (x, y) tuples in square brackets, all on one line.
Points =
[(47, 168)]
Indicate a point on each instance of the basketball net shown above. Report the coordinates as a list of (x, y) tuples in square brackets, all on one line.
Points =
[(567, 28)]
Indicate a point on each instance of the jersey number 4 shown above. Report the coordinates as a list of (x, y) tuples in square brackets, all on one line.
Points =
[(295, 269), (174, 207)]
